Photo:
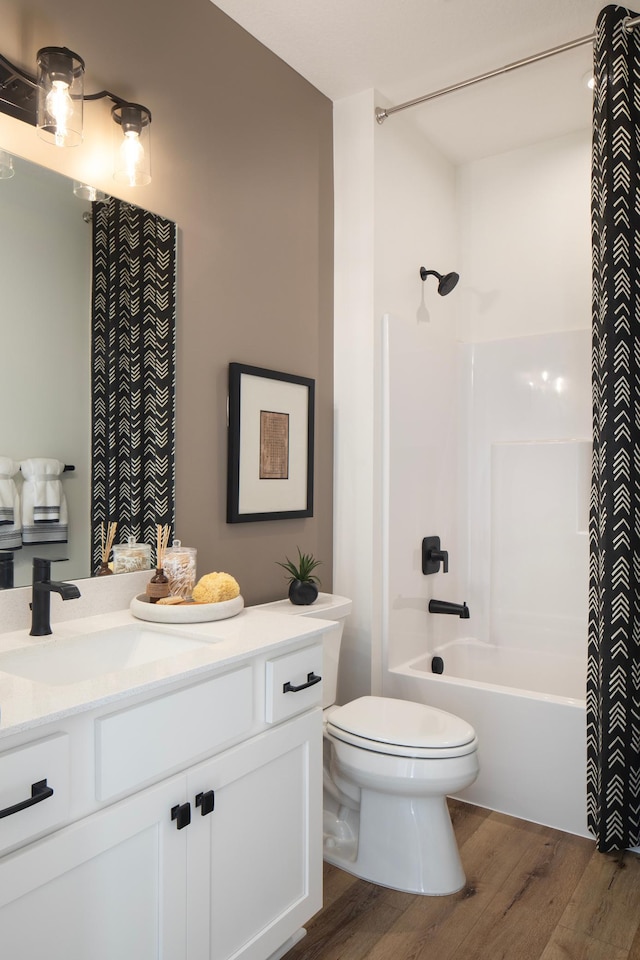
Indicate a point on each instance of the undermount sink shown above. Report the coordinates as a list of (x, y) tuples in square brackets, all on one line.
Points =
[(62, 662)]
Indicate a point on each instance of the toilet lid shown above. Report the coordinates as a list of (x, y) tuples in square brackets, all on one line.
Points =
[(402, 723)]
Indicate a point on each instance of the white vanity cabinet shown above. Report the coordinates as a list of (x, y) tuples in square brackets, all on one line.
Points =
[(219, 861), (110, 885), (256, 858)]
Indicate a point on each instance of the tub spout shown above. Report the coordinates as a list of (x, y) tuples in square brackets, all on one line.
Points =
[(455, 609)]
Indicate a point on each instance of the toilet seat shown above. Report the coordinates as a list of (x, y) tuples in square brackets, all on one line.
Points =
[(401, 728)]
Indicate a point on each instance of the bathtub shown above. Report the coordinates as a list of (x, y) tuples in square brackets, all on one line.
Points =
[(528, 709)]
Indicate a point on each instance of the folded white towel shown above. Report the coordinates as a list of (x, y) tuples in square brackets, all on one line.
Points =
[(10, 526), (44, 505)]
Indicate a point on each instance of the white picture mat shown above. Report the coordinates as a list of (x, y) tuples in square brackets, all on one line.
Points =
[(279, 396)]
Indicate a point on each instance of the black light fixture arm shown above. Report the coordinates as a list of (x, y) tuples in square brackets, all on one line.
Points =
[(12, 73), (27, 77), (115, 100), (127, 114), (17, 72), (31, 80), (105, 93)]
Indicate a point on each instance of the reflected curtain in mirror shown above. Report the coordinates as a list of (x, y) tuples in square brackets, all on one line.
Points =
[(133, 372)]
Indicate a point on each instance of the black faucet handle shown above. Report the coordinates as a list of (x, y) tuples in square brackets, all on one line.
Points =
[(47, 561), (42, 568), (433, 556), (441, 556)]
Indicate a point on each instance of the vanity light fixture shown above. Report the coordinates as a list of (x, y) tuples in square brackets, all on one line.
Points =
[(53, 101), (86, 192), (60, 83), (131, 147)]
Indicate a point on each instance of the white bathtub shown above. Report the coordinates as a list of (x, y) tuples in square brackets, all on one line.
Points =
[(528, 710)]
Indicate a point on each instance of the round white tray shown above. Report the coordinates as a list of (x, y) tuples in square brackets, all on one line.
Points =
[(143, 609)]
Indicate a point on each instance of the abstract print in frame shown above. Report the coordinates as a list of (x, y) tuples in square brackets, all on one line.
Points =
[(270, 462)]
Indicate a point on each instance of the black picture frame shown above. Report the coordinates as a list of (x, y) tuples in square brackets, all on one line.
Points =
[(270, 445)]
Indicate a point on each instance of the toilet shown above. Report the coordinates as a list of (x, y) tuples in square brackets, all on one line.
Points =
[(388, 768)]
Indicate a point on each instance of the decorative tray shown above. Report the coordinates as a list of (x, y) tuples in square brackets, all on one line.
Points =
[(143, 609)]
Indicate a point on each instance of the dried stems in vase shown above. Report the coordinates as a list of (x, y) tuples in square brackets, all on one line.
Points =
[(158, 587), (162, 542), (106, 543)]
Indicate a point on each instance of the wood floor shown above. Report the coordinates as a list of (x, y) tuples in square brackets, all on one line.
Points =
[(532, 894)]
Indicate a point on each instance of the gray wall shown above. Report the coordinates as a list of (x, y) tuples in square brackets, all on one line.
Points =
[(242, 161)]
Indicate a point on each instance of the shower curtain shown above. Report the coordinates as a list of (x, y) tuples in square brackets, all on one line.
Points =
[(133, 372), (613, 674)]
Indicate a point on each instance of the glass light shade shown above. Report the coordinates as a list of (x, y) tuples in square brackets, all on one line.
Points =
[(132, 145), (60, 82), (6, 166), (87, 192)]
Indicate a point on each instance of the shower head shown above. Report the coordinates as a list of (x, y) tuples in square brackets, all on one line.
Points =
[(446, 282)]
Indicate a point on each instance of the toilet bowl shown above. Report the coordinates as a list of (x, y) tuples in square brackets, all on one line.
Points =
[(388, 768)]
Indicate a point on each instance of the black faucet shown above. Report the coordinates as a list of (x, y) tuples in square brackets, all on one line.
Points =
[(455, 609), (43, 587), (6, 569)]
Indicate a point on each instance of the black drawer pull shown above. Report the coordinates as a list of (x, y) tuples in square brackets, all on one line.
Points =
[(181, 813), (39, 792), (206, 802), (311, 679)]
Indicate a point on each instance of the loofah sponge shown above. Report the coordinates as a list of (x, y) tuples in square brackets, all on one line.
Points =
[(216, 587)]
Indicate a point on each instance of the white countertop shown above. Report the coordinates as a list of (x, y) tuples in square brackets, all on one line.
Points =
[(25, 703)]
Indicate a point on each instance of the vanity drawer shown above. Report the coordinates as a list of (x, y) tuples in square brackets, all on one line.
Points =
[(155, 738), (294, 683), (34, 789)]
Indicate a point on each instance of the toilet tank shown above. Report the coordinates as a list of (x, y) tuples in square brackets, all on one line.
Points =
[(329, 607)]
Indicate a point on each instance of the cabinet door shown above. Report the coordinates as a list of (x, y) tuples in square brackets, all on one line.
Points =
[(255, 861), (109, 886)]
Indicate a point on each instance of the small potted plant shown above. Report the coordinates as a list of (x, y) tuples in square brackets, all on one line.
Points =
[(302, 580)]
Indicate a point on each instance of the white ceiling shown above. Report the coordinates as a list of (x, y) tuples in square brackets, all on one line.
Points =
[(407, 48)]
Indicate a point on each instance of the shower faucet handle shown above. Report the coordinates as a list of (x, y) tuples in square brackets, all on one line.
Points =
[(433, 556)]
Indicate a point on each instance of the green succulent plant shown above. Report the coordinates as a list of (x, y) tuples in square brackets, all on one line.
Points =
[(303, 569)]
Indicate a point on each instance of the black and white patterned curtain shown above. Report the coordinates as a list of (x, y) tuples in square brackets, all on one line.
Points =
[(613, 676), (133, 372)]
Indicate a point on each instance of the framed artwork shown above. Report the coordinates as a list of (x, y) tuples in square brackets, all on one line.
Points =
[(270, 461)]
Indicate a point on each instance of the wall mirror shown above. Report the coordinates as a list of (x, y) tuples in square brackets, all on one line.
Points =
[(82, 383)]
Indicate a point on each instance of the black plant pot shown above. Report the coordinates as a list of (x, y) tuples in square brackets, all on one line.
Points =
[(302, 592)]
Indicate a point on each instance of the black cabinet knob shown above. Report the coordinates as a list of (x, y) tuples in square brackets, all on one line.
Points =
[(206, 802), (181, 813)]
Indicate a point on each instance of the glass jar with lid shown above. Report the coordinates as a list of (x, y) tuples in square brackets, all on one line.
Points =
[(131, 556), (180, 567)]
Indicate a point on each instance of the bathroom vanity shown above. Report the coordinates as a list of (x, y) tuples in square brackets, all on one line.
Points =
[(184, 820)]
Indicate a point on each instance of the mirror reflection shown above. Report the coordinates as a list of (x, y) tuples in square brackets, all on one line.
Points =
[(47, 277)]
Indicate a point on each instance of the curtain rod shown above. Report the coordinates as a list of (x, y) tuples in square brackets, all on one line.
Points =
[(381, 114)]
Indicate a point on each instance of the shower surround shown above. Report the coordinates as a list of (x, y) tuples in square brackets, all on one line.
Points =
[(487, 428), (516, 668)]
